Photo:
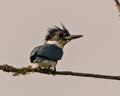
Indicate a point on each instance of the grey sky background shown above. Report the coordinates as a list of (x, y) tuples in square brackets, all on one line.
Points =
[(23, 25)]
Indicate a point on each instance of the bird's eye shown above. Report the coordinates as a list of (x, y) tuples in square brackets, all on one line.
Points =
[(64, 34)]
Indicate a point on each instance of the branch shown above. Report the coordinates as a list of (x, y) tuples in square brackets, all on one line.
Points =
[(118, 5), (29, 69)]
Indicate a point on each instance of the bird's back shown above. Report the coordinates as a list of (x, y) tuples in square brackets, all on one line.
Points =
[(46, 52)]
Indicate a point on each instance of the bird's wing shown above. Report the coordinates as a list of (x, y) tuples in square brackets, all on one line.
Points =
[(50, 51), (33, 54), (47, 51)]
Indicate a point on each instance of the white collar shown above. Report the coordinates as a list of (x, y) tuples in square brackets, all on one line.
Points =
[(56, 43)]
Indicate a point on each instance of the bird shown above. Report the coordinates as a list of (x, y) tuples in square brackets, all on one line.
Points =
[(46, 56)]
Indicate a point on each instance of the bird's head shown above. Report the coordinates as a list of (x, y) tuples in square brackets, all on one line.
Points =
[(60, 36)]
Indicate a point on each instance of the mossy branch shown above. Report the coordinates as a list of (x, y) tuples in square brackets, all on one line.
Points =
[(29, 69)]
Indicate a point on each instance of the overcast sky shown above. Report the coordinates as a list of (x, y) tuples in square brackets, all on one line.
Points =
[(23, 25)]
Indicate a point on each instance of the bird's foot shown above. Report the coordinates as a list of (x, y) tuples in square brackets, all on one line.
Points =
[(54, 71)]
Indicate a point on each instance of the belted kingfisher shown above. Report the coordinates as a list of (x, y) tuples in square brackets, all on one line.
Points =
[(47, 55)]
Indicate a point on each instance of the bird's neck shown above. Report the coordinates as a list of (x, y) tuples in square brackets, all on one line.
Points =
[(57, 43)]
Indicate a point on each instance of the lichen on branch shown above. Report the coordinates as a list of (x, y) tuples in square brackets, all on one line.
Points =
[(29, 69)]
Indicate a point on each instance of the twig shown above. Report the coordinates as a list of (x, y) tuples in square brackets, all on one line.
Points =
[(118, 5), (29, 69)]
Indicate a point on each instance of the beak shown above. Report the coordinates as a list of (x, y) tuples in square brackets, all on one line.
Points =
[(71, 37)]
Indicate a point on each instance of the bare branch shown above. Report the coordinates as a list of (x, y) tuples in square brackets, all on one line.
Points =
[(29, 69), (117, 4)]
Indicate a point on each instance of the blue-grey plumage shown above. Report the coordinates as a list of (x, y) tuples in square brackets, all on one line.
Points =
[(46, 52), (47, 55)]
